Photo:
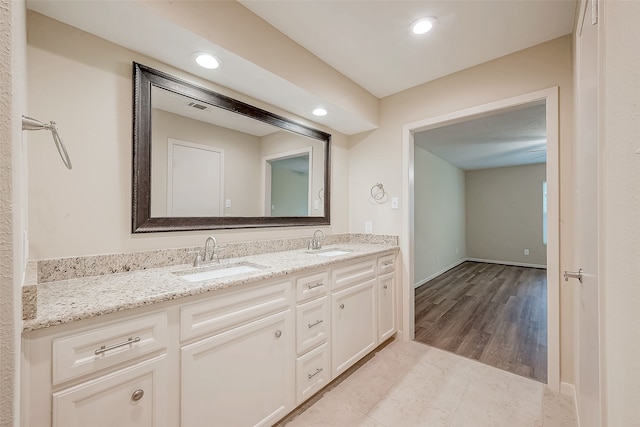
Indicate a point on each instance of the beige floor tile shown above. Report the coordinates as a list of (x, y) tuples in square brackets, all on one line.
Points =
[(408, 384)]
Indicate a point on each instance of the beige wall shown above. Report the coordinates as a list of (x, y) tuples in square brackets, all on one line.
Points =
[(242, 180), (620, 269), (13, 201), (84, 83), (376, 156), (504, 214), (439, 229)]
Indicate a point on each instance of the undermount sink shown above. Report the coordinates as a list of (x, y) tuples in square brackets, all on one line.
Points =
[(217, 272), (330, 252)]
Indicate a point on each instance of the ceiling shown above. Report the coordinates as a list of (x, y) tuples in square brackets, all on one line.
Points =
[(509, 138), (370, 42)]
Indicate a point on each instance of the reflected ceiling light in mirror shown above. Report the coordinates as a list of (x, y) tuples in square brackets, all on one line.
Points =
[(320, 112), (206, 60), (424, 25)]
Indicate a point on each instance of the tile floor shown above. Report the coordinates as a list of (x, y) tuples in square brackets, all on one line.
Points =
[(410, 384)]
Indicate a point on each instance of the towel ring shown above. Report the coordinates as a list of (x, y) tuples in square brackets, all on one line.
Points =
[(378, 193)]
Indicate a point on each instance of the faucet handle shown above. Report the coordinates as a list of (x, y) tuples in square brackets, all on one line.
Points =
[(198, 258)]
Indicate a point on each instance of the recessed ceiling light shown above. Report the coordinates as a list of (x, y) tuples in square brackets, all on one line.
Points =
[(424, 25), (320, 112), (206, 60)]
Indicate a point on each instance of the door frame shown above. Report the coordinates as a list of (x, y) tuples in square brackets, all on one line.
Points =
[(266, 176), (550, 97)]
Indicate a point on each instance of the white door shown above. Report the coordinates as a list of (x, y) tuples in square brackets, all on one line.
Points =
[(588, 381), (195, 180)]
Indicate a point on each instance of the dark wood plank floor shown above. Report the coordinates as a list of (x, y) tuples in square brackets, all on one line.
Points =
[(496, 314)]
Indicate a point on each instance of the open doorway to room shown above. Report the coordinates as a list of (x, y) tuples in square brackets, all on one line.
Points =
[(480, 243)]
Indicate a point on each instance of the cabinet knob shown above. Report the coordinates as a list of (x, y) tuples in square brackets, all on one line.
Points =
[(385, 286), (278, 334), (341, 306), (137, 395)]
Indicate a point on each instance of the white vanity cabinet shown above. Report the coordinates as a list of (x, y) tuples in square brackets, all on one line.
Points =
[(386, 297), (241, 373), (353, 313), (241, 356), (106, 375)]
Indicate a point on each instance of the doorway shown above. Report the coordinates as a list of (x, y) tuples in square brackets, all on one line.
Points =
[(550, 98), (288, 183)]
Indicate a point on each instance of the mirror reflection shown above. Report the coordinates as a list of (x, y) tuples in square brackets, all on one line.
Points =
[(205, 161), (210, 162)]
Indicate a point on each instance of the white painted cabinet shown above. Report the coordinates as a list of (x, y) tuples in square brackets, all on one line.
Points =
[(353, 332), (386, 306), (242, 357), (132, 397), (242, 377)]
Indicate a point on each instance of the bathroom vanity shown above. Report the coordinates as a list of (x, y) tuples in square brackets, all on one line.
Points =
[(243, 346)]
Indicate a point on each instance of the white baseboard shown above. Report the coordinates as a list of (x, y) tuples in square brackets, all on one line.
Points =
[(434, 275), (517, 264), (570, 390)]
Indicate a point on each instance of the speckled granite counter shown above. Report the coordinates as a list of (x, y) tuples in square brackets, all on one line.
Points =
[(75, 299)]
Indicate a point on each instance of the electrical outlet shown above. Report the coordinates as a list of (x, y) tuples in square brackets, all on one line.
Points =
[(395, 203), (457, 250), (368, 227), (227, 203), (526, 251), (316, 204)]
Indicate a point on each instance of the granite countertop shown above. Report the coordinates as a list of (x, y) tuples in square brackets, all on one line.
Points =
[(70, 300)]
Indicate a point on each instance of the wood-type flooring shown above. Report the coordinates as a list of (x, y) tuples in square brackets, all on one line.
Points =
[(493, 313)]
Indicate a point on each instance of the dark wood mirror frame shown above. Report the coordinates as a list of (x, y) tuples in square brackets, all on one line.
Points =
[(144, 78)]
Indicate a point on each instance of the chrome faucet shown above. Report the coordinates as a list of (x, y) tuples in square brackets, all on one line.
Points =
[(314, 243), (213, 249)]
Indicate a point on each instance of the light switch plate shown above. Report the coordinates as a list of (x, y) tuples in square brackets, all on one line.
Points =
[(368, 227), (394, 203)]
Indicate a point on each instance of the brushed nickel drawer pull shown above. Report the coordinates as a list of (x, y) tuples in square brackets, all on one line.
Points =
[(342, 306), (311, 325), (385, 286), (388, 263), (315, 373), (278, 334), (104, 348), (317, 285), (137, 395)]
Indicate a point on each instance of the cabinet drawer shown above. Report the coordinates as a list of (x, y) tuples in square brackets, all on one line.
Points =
[(313, 371), (134, 396), (219, 313), (354, 273), (386, 263), (312, 286), (100, 348), (312, 324)]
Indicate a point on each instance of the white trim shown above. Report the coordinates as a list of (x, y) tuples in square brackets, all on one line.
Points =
[(266, 176), (550, 96), (434, 275), (516, 264)]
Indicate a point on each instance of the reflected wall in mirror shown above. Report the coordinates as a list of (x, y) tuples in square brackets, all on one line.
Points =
[(205, 161)]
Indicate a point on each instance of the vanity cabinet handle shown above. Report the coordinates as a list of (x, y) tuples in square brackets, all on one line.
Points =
[(341, 306), (315, 373), (317, 285), (311, 325), (278, 333), (137, 395), (385, 286), (104, 348), (388, 263)]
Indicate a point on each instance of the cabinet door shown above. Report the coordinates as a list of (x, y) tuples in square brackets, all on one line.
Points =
[(131, 397), (242, 377), (386, 306), (353, 325)]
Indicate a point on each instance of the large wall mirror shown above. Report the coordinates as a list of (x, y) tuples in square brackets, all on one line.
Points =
[(202, 160)]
